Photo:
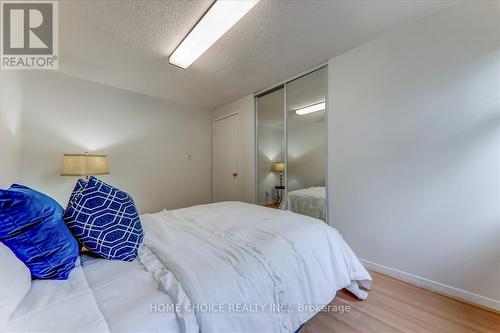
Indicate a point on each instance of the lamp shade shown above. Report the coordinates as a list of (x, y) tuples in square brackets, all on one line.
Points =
[(84, 165), (279, 166)]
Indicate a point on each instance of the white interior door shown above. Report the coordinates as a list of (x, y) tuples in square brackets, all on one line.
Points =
[(226, 173)]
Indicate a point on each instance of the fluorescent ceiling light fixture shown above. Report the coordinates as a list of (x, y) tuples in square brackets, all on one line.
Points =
[(219, 18), (310, 109)]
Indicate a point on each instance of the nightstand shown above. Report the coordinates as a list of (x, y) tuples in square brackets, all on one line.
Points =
[(273, 205)]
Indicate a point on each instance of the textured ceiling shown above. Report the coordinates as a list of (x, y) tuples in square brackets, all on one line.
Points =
[(125, 44)]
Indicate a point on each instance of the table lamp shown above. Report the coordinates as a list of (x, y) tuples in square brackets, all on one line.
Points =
[(279, 167), (84, 165)]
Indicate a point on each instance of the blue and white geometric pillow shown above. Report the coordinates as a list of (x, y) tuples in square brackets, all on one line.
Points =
[(104, 220), (80, 185)]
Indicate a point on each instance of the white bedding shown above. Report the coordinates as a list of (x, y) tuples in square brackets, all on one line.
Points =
[(100, 296), (308, 201), (243, 255), (229, 256)]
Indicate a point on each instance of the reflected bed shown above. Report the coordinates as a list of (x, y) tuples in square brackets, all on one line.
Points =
[(308, 201)]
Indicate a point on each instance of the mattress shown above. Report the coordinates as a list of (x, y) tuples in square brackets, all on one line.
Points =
[(308, 201)]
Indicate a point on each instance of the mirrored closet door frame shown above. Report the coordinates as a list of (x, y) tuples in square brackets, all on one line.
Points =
[(283, 85)]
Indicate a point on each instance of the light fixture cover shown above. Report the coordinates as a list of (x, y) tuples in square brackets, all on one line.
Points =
[(221, 16), (84, 165), (310, 109)]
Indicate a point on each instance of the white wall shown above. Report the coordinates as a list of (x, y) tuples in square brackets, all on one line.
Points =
[(414, 137), (11, 105), (147, 141), (245, 107)]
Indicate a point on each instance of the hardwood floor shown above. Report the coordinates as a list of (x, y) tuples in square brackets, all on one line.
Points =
[(396, 306)]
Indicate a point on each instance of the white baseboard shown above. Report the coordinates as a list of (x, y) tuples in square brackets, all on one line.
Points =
[(434, 286)]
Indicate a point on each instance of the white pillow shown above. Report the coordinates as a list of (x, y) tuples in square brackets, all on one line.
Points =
[(15, 282)]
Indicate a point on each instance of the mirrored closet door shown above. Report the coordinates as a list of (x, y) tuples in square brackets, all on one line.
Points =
[(271, 147), (291, 145)]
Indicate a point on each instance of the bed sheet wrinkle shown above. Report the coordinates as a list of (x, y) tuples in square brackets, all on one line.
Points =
[(228, 238), (169, 284), (231, 258), (296, 256), (127, 302), (202, 270), (246, 246)]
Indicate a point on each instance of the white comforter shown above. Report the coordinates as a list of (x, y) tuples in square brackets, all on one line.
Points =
[(247, 268)]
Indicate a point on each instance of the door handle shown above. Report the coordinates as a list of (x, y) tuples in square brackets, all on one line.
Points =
[(235, 174)]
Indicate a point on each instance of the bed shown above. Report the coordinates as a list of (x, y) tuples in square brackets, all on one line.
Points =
[(224, 267), (308, 201)]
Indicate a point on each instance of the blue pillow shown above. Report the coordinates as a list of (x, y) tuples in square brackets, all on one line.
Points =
[(80, 185), (104, 220), (31, 225)]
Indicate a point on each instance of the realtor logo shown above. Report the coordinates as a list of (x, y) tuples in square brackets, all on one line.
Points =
[(29, 31)]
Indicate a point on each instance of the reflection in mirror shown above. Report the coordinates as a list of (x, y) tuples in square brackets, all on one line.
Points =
[(270, 148), (306, 144)]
